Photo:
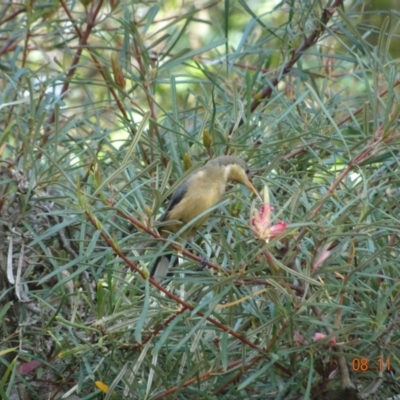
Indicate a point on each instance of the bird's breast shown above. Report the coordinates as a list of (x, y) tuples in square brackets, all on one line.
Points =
[(202, 194)]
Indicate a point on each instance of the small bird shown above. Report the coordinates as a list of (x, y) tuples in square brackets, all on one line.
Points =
[(199, 192)]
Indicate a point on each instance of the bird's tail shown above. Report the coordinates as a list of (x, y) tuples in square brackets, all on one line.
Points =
[(160, 267)]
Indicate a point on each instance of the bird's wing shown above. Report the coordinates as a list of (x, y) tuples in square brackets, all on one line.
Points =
[(177, 196)]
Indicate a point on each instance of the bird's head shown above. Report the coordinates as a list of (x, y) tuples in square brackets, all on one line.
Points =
[(236, 171)]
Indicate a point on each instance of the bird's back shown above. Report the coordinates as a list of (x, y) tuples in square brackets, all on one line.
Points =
[(198, 193)]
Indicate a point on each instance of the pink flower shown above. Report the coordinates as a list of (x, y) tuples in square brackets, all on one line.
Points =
[(319, 336), (261, 221), (299, 338), (325, 253)]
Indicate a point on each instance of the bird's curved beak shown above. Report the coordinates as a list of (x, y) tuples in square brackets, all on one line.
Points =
[(253, 189)]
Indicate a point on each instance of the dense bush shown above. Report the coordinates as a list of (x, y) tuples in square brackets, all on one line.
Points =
[(106, 108)]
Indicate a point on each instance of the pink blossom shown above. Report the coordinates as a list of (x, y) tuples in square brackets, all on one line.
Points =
[(325, 253), (261, 221), (299, 338), (319, 336)]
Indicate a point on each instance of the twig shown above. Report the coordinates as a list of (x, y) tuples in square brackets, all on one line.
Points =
[(307, 43)]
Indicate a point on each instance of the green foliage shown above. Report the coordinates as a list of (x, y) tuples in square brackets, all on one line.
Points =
[(106, 108)]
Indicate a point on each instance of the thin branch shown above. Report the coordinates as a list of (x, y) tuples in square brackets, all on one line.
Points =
[(287, 67)]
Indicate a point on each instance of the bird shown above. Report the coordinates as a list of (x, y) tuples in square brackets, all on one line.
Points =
[(200, 191)]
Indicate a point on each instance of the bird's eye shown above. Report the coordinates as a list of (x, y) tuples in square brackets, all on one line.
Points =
[(247, 170)]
